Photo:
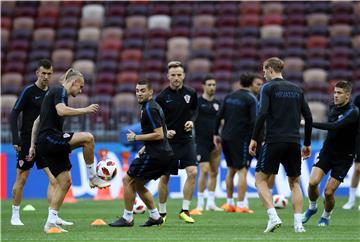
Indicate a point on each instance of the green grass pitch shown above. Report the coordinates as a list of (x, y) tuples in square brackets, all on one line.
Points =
[(212, 226)]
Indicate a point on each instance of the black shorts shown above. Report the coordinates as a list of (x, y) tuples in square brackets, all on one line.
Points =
[(55, 149), (204, 150), (22, 163), (148, 168), (236, 153), (288, 154), (339, 166), (184, 156)]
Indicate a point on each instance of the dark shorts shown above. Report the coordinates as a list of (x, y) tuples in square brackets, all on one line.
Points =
[(148, 168), (203, 151), (55, 149), (339, 166), (25, 165), (184, 156), (272, 154), (357, 158), (236, 153)]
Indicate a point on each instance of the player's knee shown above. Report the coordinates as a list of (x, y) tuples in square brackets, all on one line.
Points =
[(213, 173), (89, 138), (329, 192), (65, 183), (21, 180), (313, 183), (192, 173)]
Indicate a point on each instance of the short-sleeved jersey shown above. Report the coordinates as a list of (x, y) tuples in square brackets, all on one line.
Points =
[(29, 103), (152, 117), (342, 125), (239, 113), (281, 105), (205, 121), (50, 121), (179, 106)]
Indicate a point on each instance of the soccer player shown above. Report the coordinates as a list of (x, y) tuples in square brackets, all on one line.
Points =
[(179, 103), (208, 156), (53, 145), (238, 113), (153, 159), (356, 175), (337, 153), (29, 104), (281, 105)]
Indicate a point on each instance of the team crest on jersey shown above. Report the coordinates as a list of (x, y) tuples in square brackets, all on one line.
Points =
[(216, 106), (198, 157), (21, 163), (187, 98), (340, 116), (66, 135)]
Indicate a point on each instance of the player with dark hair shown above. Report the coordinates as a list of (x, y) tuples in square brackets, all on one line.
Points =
[(54, 145), (29, 103), (179, 104), (281, 105), (208, 155), (152, 161), (356, 175), (238, 112), (337, 153)]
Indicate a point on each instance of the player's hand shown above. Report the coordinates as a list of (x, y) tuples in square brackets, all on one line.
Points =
[(31, 154), (217, 141), (131, 135), (141, 151), (302, 122), (306, 152), (93, 108), (252, 147), (17, 148), (188, 126), (170, 134)]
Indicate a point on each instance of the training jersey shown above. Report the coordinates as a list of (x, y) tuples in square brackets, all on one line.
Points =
[(152, 117), (205, 121), (239, 113), (281, 105), (342, 129), (179, 106), (50, 121), (29, 103), (357, 104)]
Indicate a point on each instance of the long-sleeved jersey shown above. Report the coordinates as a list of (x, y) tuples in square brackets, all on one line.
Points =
[(179, 106), (281, 105), (357, 104), (29, 103), (342, 126), (239, 113)]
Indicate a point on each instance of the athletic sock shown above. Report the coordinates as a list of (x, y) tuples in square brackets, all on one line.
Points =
[(230, 201), (312, 205), (90, 170), (200, 202), (154, 213), (52, 216), (128, 215), (326, 214), (162, 208), (211, 199), (297, 219), (272, 213), (241, 204), (186, 204), (352, 193)]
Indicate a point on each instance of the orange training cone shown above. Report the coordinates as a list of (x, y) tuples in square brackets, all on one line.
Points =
[(69, 197), (98, 222), (125, 166), (103, 194)]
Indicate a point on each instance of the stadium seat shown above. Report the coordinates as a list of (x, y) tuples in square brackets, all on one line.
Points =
[(319, 111), (153, 66), (293, 64), (315, 75), (89, 33), (317, 42), (226, 21), (62, 55), (137, 9), (318, 63), (93, 10), (64, 44), (14, 66), (136, 22), (39, 54), (250, 8), (23, 23), (11, 83), (159, 8), (46, 22), (201, 43), (203, 21), (130, 65), (67, 33), (159, 33), (70, 11), (199, 65), (226, 8), (159, 21), (88, 22), (246, 20), (111, 33), (44, 34), (84, 66), (19, 45), (131, 54), (271, 31), (16, 55), (7, 103), (340, 30), (177, 43), (114, 21), (314, 19), (272, 8), (85, 54), (249, 42), (68, 22)]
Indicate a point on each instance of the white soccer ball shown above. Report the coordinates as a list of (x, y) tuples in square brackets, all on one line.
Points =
[(106, 169), (280, 201), (139, 206)]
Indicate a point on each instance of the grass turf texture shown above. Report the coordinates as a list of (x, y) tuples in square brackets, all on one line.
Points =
[(211, 226)]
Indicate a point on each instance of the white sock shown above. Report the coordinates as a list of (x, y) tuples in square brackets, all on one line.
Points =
[(312, 205), (297, 219), (15, 211), (162, 207), (352, 193), (241, 204), (186, 204), (230, 201), (90, 170), (211, 199), (200, 202), (52, 216), (326, 214), (128, 215), (154, 213), (272, 213)]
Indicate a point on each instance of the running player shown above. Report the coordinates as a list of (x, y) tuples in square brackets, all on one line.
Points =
[(179, 103), (208, 156), (153, 158), (29, 104), (54, 145), (281, 105), (337, 153)]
